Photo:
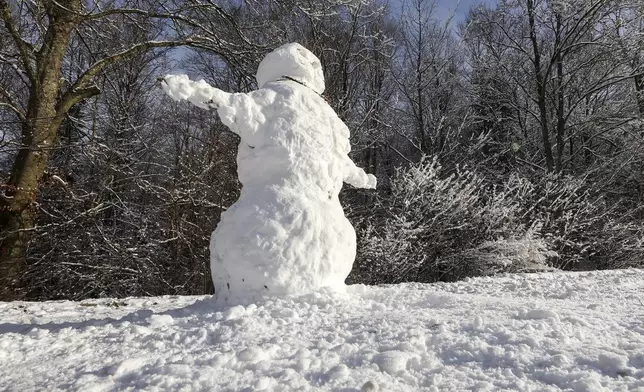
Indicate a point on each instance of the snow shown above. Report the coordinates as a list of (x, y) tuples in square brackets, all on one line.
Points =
[(538, 332), (287, 233), (295, 61)]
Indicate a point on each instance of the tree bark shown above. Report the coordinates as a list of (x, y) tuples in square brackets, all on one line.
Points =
[(18, 206), (541, 89), (425, 140), (561, 115)]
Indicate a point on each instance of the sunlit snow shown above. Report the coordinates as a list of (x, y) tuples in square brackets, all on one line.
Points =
[(540, 332)]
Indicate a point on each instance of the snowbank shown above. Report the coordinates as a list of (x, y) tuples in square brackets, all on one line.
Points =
[(541, 332)]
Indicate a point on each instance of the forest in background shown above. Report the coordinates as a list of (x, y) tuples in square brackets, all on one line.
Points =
[(512, 141)]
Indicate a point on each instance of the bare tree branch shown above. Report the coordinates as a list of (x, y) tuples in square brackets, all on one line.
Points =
[(25, 49)]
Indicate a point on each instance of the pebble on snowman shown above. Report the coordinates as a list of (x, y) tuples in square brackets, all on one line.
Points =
[(287, 233)]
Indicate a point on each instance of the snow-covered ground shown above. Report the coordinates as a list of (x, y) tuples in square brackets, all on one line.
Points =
[(541, 332)]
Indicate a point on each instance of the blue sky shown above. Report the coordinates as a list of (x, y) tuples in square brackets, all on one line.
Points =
[(445, 8)]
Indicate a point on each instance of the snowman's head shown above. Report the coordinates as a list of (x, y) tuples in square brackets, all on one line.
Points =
[(292, 61)]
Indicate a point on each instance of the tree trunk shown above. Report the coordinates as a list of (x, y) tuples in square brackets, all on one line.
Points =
[(425, 145), (561, 115), (541, 89), (43, 117), (18, 208), (420, 116)]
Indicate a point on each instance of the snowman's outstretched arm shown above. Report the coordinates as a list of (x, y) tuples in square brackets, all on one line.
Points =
[(199, 93), (236, 111), (353, 175)]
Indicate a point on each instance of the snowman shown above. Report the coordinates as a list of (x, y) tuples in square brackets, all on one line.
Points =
[(287, 233)]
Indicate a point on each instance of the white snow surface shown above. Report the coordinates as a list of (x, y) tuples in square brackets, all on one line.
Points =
[(539, 332), (287, 233)]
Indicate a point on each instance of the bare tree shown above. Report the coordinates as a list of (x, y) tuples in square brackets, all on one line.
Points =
[(428, 74), (625, 29), (561, 63)]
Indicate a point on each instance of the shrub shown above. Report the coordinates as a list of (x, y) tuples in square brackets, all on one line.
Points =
[(434, 224), (437, 224)]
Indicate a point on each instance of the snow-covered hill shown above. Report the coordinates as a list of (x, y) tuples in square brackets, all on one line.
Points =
[(541, 332)]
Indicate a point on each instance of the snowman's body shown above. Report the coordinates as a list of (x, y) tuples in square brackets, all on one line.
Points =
[(287, 233)]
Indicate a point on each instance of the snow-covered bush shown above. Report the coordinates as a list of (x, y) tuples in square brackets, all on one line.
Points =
[(433, 221), (439, 224), (586, 230), (567, 211), (528, 253), (620, 244)]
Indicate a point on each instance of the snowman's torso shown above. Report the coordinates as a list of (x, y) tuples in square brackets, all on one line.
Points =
[(287, 232)]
